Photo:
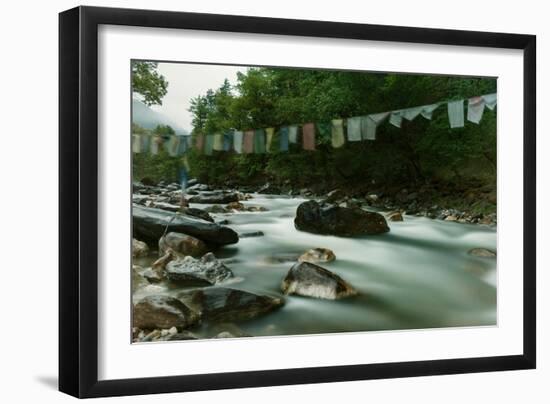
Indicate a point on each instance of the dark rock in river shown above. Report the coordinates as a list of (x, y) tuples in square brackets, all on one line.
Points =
[(219, 197), (338, 221), (196, 212), (162, 312), (149, 224), (257, 233), (182, 244), (269, 189), (225, 304), (317, 255), (483, 252), (307, 279), (189, 271)]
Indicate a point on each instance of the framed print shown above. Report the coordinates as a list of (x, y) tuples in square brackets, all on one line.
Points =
[(251, 201)]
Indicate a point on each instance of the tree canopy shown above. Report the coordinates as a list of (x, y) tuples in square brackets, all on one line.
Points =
[(419, 150), (148, 82)]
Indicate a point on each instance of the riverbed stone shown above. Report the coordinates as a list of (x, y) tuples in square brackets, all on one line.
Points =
[(158, 311), (315, 218), (307, 279), (217, 197), (182, 244), (316, 255), (395, 216), (200, 213), (139, 248), (483, 252), (189, 271), (226, 304), (150, 224)]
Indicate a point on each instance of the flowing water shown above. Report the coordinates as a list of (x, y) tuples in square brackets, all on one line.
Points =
[(419, 275)]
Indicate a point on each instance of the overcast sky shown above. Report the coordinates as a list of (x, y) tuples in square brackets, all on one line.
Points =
[(186, 81)]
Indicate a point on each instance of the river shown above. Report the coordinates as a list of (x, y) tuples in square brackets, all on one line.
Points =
[(419, 275)]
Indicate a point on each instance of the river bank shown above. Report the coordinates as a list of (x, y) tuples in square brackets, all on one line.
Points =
[(423, 273)]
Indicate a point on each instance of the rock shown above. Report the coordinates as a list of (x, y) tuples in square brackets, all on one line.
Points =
[(225, 304), (251, 234), (152, 276), (335, 195), (307, 279), (148, 181), (219, 197), (161, 263), (317, 255), (197, 187), (338, 221), (216, 209), (200, 213), (182, 244), (159, 311), (191, 271), (269, 189), (451, 218), (150, 224), (138, 280), (181, 336), (139, 249), (395, 216), (234, 206), (166, 206), (483, 252)]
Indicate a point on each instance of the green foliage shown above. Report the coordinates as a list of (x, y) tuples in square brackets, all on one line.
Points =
[(420, 150), (147, 82), (155, 167)]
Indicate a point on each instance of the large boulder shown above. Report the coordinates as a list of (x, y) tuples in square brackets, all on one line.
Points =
[(190, 271), (226, 304), (216, 197), (182, 244), (307, 279), (338, 221), (159, 311), (150, 224)]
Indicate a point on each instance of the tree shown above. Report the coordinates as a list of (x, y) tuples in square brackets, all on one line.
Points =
[(148, 82)]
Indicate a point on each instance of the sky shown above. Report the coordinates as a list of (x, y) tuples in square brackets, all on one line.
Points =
[(186, 81)]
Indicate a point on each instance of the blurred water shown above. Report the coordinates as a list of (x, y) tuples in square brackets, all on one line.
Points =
[(419, 275)]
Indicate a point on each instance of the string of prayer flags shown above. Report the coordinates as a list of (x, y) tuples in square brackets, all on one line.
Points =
[(369, 124), (455, 110), (308, 136), (476, 105), (354, 129), (337, 138), (490, 100), (259, 141), (410, 113), (238, 141), (199, 142), (396, 117), (293, 134), (248, 142), (136, 143), (283, 138), (227, 141), (209, 144), (273, 139), (218, 142), (269, 134), (428, 110)]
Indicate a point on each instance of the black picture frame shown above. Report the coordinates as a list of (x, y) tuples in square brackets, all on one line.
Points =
[(78, 201)]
